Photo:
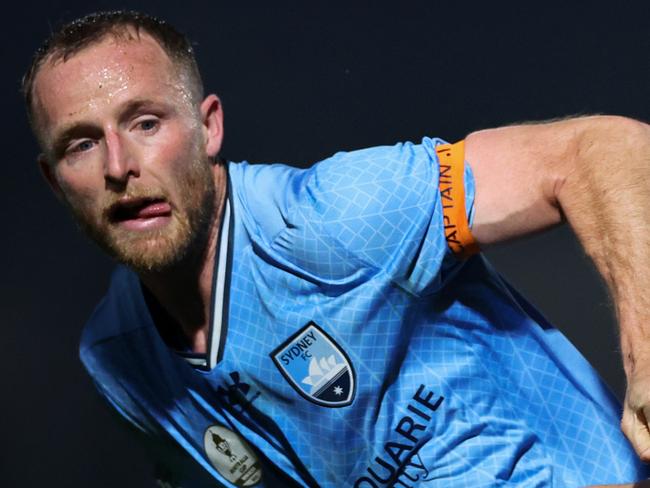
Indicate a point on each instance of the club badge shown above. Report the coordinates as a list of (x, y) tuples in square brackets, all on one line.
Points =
[(231, 456), (316, 367)]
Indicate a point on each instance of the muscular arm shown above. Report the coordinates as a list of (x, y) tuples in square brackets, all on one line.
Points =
[(593, 172)]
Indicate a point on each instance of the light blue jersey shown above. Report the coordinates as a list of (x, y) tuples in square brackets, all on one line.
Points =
[(350, 348)]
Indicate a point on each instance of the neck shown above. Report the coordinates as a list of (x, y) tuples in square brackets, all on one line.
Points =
[(184, 291)]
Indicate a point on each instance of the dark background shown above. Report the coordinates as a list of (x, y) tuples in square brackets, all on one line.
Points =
[(298, 83)]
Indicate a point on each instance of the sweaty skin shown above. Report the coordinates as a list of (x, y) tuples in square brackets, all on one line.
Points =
[(132, 155)]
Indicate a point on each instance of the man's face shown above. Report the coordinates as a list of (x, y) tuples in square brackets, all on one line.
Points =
[(128, 150)]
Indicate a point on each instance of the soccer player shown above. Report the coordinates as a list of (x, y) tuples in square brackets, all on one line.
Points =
[(337, 326)]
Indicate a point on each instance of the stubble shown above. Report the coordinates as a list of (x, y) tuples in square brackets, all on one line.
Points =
[(156, 250)]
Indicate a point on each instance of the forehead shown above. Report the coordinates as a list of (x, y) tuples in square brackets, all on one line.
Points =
[(102, 74)]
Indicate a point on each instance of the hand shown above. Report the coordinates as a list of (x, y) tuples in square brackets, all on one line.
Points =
[(636, 411)]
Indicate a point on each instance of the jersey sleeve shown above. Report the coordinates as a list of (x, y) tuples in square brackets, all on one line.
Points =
[(379, 208)]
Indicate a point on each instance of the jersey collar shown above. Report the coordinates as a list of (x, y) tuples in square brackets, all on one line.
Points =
[(219, 308)]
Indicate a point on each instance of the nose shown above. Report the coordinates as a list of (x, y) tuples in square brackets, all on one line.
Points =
[(120, 163)]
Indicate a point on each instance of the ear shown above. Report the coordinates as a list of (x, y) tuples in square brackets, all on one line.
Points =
[(212, 119), (48, 173)]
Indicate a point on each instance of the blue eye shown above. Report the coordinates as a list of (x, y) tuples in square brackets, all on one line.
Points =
[(148, 125), (82, 146)]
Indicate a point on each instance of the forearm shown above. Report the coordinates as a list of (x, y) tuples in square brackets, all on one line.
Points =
[(604, 192), (593, 172), (605, 196)]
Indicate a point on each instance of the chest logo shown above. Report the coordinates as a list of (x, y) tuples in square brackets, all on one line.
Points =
[(316, 367), (231, 456)]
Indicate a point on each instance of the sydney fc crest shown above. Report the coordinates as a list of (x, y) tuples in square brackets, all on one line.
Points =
[(316, 367)]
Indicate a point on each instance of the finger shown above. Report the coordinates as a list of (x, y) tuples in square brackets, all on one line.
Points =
[(643, 433), (638, 433), (628, 426)]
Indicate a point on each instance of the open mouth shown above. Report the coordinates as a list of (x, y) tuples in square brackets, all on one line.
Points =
[(139, 211)]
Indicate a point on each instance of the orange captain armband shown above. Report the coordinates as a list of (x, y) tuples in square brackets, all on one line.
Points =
[(451, 159)]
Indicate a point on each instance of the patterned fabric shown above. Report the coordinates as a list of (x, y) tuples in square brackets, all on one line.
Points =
[(358, 351)]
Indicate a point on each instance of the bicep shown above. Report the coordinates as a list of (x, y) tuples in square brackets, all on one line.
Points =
[(517, 171)]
